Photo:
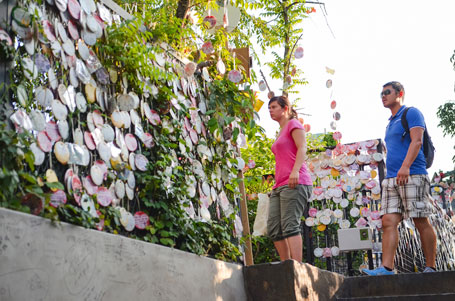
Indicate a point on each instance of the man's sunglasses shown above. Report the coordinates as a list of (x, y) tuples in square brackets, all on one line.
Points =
[(386, 92)]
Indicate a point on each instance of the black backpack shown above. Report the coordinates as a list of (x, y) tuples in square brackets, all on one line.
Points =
[(428, 147)]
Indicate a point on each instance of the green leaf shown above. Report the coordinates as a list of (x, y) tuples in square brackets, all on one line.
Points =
[(212, 124), (228, 120), (167, 241), (28, 177), (55, 185), (159, 224), (164, 233)]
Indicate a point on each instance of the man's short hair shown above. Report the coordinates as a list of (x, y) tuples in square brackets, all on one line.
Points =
[(397, 86)]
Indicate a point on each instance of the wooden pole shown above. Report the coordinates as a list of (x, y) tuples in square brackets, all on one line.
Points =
[(245, 223)]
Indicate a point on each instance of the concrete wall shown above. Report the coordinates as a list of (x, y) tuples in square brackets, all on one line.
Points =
[(43, 261), (291, 281)]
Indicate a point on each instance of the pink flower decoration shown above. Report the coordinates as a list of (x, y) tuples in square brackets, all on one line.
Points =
[(251, 163), (371, 184), (190, 68), (235, 76), (361, 222), (141, 220), (312, 212), (375, 215), (155, 118), (327, 252), (210, 21), (340, 147), (370, 144), (318, 190), (298, 53), (207, 47), (337, 135)]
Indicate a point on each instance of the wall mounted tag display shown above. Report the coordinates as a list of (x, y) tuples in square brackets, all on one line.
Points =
[(103, 133)]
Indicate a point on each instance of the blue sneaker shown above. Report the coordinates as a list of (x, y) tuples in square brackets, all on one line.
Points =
[(378, 272)]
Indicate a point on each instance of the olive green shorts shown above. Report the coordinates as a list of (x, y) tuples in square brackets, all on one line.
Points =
[(286, 210)]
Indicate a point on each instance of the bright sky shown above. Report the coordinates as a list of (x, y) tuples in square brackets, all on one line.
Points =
[(410, 41)]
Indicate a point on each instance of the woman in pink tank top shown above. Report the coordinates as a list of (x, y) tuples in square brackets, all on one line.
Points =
[(293, 185)]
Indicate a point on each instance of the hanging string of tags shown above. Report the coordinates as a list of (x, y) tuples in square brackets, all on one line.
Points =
[(333, 104), (225, 16)]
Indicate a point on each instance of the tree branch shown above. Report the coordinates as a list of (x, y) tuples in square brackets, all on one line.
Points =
[(263, 77), (182, 9), (204, 64), (298, 39)]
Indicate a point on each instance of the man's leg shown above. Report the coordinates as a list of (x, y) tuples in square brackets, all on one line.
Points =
[(295, 247), (283, 249), (428, 240), (390, 223)]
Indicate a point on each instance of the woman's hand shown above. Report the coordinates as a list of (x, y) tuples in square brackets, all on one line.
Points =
[(293, 179)]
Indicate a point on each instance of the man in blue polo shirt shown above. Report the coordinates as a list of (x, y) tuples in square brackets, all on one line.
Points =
[(405, 190)]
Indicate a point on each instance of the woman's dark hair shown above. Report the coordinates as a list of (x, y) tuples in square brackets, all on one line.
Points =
[(284, 101)]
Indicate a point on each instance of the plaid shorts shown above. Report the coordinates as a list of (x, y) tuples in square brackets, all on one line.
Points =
[(409, 200)]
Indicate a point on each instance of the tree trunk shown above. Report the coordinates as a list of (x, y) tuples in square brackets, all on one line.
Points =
[(286, 48), (5, 108), (182, 9)]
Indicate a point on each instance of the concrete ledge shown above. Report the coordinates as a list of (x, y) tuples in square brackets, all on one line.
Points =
[(290, 280), (439, 283), (43, 261)]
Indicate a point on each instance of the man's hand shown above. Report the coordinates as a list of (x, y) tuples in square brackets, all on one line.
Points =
[(403, 176), (293, 179)]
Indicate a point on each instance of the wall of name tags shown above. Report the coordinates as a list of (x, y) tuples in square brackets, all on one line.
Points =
[(98, 141), (345, 193)]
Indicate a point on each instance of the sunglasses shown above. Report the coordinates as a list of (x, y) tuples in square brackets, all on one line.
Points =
[(386, 92)]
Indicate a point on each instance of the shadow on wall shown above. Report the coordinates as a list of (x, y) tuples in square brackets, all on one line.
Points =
[(312, 283), (290, 280), (226, 286)]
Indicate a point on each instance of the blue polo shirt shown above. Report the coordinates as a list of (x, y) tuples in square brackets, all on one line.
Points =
[(397, 148)]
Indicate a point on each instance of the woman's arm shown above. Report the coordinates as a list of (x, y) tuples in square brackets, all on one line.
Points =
[(298, 135)]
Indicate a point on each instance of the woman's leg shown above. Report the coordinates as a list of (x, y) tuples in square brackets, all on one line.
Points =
[(274, 225), (283, 249), (295, 247), (293, 203)]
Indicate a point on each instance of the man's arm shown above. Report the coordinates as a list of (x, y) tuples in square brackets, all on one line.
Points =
[(413, 150)]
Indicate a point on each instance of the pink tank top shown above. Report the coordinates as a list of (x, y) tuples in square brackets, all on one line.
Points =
[(285, 153)]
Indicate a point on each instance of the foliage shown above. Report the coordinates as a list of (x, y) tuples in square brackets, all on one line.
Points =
[(278, 25), (259, 151), (16, 178), (131, 49), (319, 142), (446, 115)]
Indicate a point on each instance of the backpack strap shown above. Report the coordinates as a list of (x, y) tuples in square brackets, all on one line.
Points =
[(404, 123)]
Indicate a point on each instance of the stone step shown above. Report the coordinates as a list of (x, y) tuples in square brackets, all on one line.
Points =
[(292, 281), (429, 297), (398, 285)]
